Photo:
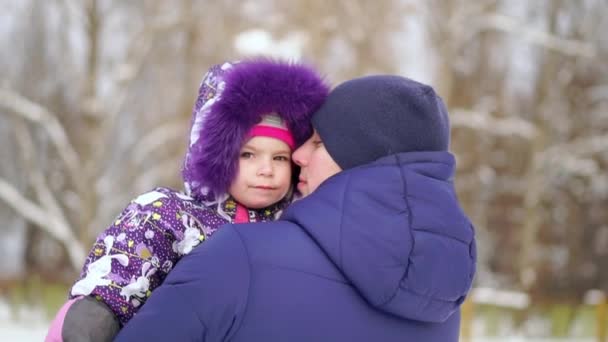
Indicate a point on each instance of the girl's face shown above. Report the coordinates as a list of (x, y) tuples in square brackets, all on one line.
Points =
[(264, 174)]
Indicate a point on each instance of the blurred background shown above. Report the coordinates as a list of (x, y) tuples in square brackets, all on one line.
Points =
[(95, 103)]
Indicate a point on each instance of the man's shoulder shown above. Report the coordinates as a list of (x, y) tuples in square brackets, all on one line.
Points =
[(222, 254), (267, 228), (266, 234), (236, 251), (284, 245)]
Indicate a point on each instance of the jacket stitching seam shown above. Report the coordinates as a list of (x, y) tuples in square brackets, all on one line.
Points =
[(307, 273), (189, 304), (411, 233), (434, 299), (423, 230), (342, 219), (365, 167), (250, 268)]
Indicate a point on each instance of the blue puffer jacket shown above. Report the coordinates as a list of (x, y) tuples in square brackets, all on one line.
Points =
[(382, 252)]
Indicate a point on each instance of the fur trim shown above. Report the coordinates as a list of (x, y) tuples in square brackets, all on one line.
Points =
[(244, 93)]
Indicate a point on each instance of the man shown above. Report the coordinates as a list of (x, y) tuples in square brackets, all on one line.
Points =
[(379, 250)]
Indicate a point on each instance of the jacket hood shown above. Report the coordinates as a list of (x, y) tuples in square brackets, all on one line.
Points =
[(395, 230), (234, 97)]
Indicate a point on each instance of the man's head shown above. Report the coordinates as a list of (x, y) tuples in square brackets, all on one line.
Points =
[(368, 118)]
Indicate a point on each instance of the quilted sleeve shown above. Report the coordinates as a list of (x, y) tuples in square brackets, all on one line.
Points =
[(133, 256)]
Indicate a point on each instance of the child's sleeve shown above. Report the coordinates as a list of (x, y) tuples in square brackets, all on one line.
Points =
[(133, 256), (202, 299)]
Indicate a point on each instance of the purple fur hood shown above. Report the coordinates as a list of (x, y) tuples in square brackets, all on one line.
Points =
[(232, 98)]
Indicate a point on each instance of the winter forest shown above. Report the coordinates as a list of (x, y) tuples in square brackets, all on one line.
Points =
[(96, 98)]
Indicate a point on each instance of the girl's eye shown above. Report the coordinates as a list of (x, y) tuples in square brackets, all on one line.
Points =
[(281, 158), (317, 143), (246, 155)]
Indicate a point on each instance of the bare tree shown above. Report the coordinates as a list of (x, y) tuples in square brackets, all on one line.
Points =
[(518, 145), (62, 196)]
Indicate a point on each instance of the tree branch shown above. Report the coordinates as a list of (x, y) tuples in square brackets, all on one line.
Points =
[(507, 24), (160, 136), (46, 221), (582, 146), (149, 178), (38, 114), (129, 72), (495, 126), (38, 181)]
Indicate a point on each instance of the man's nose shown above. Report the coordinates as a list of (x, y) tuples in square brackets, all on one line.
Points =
[(298, 157)]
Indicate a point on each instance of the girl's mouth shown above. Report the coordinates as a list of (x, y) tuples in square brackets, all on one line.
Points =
[(264, 187)]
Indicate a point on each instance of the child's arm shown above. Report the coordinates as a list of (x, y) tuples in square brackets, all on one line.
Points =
[(203, 299), (133, 256)]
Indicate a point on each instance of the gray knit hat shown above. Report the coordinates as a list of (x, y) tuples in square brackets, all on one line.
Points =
[(371, 117)]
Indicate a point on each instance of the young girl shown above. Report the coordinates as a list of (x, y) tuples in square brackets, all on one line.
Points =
[(248, 118)]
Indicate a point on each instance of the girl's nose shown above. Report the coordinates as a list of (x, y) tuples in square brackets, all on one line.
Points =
[(265, 169)]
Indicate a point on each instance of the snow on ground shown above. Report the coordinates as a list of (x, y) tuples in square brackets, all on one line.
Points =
[(22, 332), (25, 325), (26, 332), (31, 325)]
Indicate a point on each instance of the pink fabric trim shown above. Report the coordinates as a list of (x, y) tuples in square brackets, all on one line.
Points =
[(241, 216), (273, 132), (54, 334)]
